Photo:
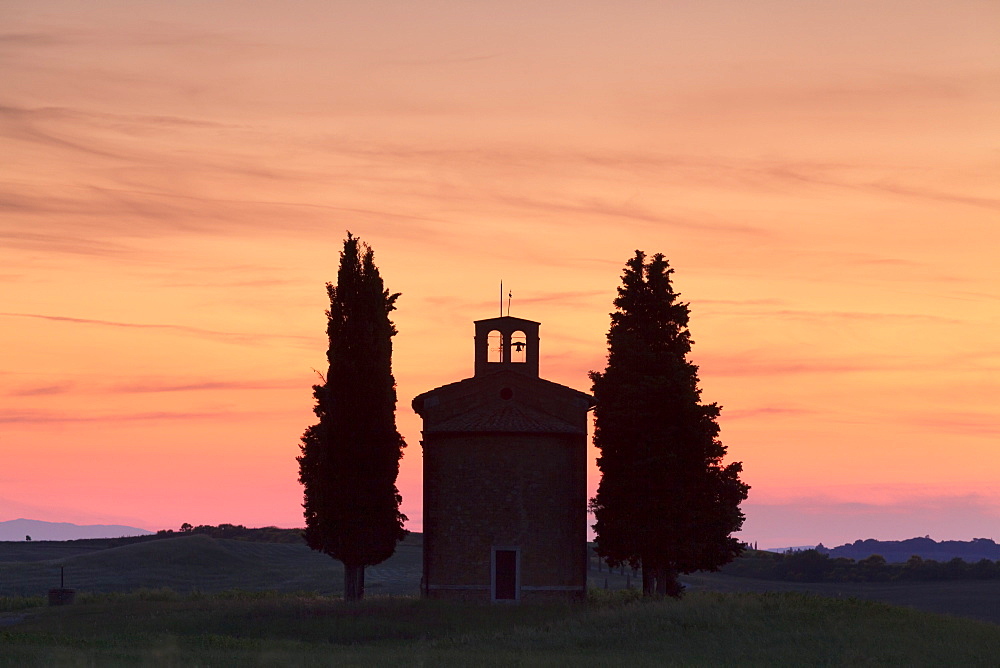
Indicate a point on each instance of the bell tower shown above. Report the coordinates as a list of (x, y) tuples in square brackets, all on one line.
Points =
[(507, 344)]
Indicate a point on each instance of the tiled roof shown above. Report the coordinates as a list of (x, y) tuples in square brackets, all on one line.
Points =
[(476, 381), (506, 418)]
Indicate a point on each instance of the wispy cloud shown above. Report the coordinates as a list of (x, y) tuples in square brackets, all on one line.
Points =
[(843, 316), (18, 123), (197, 386), (932, 194), (136, 196), (42, 390), (61, 243), (804, 173), (172, 35), (230, 337), (124, 122), (665, 168), (977, 296), (148, 386), (753, 364), (951, 422), (94, 220), (448, 303), (206, 282), (566, 298), (634, 214), (42, 417), (736, 302), (453, 58), (766, 412), (861, 316), (36, 38)]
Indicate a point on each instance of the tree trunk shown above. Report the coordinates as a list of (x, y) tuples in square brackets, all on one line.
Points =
[(660, 581), (667, 583), (648, 580), (354, 583)]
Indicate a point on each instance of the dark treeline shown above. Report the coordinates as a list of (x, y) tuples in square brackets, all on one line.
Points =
[(237, 532), (814, 566)]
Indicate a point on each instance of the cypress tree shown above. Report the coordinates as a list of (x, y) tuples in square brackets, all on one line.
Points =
[(665, 502), (350, 458)]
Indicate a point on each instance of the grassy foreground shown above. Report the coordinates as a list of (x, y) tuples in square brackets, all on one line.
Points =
[(162, 628)]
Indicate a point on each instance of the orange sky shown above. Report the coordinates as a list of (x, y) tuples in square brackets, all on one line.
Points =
[(176, 179)]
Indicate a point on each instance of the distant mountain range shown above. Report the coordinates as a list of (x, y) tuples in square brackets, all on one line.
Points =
[(17, 530), (897, 551)]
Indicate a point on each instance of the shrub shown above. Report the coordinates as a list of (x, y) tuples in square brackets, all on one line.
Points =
[(611, 597)]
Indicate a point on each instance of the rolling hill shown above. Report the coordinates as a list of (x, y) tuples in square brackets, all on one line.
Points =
[(196, 562)]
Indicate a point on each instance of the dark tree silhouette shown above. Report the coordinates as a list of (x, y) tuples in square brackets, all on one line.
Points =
[(350, 459), (665, 501)]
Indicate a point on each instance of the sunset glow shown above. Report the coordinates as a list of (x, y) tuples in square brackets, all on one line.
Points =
[(176, 180)]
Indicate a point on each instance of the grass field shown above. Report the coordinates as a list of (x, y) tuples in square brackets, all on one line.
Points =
[(269, 629), (975, 599), (204, 564), (200, 563)]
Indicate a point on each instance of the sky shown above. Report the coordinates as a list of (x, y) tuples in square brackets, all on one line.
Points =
[(177, 179)]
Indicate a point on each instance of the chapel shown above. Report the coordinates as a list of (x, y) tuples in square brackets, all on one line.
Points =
[(505, 476)]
